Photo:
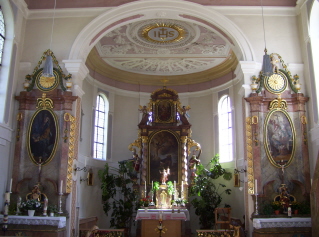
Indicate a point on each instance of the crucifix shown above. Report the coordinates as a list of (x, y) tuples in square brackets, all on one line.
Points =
[(282, 167), (40, 168)]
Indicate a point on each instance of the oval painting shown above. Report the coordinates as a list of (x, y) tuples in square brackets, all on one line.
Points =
[(279, 138), (42, 136)]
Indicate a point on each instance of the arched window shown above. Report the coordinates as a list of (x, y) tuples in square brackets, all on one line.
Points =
[(225, 129), (2, 34), (100, 127)]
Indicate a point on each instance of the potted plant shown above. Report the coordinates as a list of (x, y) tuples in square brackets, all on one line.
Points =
[(145, 202), (53, 210), (276, 206), (206, 194), (31, 205), (118, 194)]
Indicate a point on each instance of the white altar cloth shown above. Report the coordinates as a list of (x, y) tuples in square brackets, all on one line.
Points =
[(59, 221), (281, 222), (166, 214)]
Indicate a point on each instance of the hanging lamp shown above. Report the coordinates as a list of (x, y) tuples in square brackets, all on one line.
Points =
[(266, 66)]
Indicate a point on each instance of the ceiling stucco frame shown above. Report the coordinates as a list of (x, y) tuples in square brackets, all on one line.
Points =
[(150, 9)]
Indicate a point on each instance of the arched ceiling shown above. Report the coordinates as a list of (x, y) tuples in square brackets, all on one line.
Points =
[(145, 52)]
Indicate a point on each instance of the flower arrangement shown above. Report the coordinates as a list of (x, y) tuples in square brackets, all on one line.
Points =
[(276, 205), (180, 201), (31, 204), (295, 205), (52, 209), (145, 202)]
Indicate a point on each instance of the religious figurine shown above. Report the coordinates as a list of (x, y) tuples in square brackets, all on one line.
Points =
[(45, 207), (136, 161), (164, 175), (193, 163), (284, 197), (274, 62), (145, 117), (35, 193)]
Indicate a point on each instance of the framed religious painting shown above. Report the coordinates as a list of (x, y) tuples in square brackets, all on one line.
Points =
[(279, 137), (164, 162), (42, 138)]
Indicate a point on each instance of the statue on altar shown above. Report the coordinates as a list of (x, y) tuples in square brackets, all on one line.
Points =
[(164, 175), (194, 161)]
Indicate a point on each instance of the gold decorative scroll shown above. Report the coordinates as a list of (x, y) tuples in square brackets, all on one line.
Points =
[(250, 162), (44, 103), (191, 143), (278, 104), (69, 118), (136, 143)]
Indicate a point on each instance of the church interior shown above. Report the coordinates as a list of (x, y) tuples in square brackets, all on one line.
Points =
[(147, 118)]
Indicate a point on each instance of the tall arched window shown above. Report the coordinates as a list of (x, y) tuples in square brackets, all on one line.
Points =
[(100, 127), (225, 129), (2, 34)]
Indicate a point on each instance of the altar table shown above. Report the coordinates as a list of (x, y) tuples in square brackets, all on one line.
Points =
[(36, 225), (172, 222), (281, 226)]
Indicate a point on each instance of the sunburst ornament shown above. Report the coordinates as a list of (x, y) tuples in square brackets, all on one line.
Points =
[(276, 83), (163, 33)]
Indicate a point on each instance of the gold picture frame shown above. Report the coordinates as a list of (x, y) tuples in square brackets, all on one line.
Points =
[(279, 138)]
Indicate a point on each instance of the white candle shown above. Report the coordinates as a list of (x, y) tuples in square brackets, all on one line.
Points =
[(152, 185), (182, 188), (175, 185), (145, 186), (10, 186), (256, 190), (61, 185)]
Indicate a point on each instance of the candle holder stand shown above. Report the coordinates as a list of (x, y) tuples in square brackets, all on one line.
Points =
[(60, 203), (256, 204)]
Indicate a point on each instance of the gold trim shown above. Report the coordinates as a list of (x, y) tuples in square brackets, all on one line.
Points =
[(69, 118), (303, 119), (266, 145), (254, 119), (278, 104), (250, 160), (44, 103)]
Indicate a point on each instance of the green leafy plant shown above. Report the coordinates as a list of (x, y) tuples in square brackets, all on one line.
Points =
[(304, 208), (295, 205), (52, 209), (156, 186), (267, 209), (170, 187), (276, 205), (206, 194), (118, 194)]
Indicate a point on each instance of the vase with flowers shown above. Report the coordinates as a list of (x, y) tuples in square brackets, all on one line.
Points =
[(276, 206), (31, 205), (145, 202), (295, 207)]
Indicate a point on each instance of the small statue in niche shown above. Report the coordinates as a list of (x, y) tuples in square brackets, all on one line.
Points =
[(284, 197), (164, 175)]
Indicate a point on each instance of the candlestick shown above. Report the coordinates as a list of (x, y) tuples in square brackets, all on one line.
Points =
[(256, 211), (182, 187), (60, 203)]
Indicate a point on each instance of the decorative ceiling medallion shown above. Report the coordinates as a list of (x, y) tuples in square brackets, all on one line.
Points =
[(163, 33)]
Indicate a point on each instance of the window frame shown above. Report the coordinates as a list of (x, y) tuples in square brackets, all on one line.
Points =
[(223, 114), (100, 126)]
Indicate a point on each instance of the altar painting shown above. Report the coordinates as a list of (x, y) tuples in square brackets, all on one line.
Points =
[(280, 138), (163, 155), (42, 137)]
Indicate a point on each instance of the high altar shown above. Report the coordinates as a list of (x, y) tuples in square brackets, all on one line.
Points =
[(161, 154)]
